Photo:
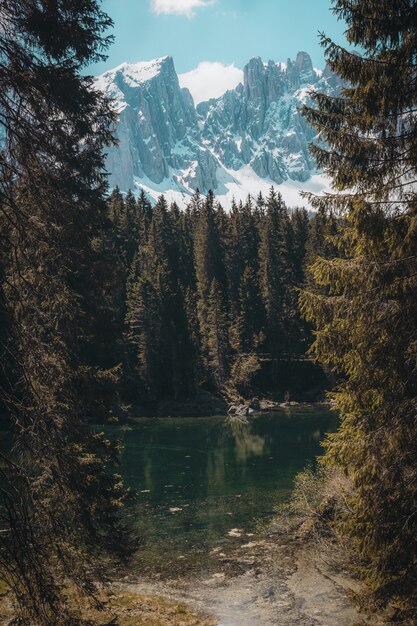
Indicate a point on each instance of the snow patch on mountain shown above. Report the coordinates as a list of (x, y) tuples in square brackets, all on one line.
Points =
[(237, 185), (134, 74), (247, 182)]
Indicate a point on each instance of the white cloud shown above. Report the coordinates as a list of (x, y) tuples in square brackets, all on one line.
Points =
[(211, 80), (178, 7)]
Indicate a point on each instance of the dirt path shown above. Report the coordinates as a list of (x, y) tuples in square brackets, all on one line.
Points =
[(280, 581)]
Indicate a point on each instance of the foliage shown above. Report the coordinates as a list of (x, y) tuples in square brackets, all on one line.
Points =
[(60, 500), (208, 295), (365, 307), (243, 373)]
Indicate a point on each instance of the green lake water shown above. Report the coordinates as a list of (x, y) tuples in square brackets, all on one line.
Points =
[(197, 479)]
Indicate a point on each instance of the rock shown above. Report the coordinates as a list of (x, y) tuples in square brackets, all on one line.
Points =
[(255, 404), (163, 138), (157, 129), (243, 410), (252, 544), (175, 509)]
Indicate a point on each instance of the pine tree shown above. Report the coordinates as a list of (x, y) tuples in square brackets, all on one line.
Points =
[(251, 312), (209, 266), (116, 207), (169, 352), (134, 226), (217, 335), (62, 500), (297, 244), (274, 272), (366, 313), (144, 329), (157, 313)]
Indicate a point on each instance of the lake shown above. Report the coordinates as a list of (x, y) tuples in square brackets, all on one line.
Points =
[(199, 479)]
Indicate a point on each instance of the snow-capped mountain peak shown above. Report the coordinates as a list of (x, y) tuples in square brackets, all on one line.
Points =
[(136, 73)]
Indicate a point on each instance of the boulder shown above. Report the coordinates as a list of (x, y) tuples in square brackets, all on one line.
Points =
[(243, 409)]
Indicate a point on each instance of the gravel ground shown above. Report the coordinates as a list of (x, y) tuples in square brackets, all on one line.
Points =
[(282, 580)]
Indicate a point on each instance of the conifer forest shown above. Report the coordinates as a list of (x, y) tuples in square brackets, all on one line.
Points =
[(209, 295), (208, 404)]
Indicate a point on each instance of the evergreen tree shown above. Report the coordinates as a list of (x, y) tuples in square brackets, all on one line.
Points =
[(116, 207), (251, 312), (170, 295), (58, 295), (297, 244), (366, 313), (217, 336), (133, 226), (323, 227), (209, 266), (297, 330), (144, 329), (157, 317), (274, 272), (145, 208)]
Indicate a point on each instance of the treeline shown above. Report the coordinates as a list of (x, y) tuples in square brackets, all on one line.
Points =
[(208, 294)]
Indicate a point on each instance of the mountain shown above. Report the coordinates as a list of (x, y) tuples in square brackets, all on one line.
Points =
[(244, 141)]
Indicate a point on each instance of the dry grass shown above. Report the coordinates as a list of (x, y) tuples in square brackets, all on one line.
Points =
[(133, 610), (128, 609)]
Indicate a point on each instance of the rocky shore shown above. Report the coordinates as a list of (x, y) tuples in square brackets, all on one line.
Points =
[(282, 579), (206, 404)]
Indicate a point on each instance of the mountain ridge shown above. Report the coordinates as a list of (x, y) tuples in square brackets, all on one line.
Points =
[(251, 136)]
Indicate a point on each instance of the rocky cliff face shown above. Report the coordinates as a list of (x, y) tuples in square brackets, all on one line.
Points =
[(166, 144), (157, 130)]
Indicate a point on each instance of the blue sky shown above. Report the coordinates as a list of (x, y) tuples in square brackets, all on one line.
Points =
[(226, 31)]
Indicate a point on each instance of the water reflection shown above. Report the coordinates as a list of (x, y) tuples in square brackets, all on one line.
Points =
[(198, 478), (246, 443)]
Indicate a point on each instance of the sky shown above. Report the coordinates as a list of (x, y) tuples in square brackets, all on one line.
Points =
[(212, 40)]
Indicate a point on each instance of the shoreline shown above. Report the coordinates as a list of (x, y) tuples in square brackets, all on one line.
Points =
[(279, 579), (266, 406)]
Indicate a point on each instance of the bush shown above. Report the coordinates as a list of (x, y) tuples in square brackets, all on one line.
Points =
[(243, 373)]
